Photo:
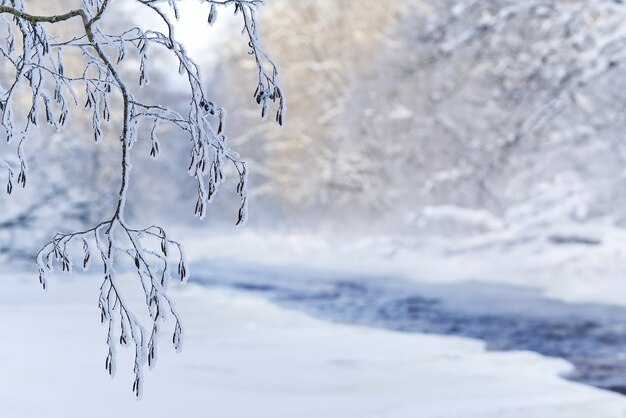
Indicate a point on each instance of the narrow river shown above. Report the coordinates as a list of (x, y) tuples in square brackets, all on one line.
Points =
[(592, 337)]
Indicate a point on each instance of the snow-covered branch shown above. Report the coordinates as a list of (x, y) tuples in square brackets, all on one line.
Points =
[(38, 62)]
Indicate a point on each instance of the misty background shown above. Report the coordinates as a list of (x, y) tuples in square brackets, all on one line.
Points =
[(414, 119)]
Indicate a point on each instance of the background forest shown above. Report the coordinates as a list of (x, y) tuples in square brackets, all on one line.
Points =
[(418, 119)]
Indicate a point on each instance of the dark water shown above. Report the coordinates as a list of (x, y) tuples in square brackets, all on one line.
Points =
[(592, 337)]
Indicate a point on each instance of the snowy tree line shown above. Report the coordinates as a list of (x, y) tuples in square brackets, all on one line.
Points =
[(413, 115), (406, 116)]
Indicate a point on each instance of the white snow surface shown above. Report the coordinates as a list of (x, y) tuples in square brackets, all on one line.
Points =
[(565, 261), (244, 357)]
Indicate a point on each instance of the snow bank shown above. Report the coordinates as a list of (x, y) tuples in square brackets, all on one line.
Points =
[(244, 358), (566, 261)]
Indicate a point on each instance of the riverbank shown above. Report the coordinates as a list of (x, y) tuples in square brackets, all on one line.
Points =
[(244, 357), (570, 263)]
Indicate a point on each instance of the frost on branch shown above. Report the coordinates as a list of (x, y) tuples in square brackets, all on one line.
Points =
[(37, 61)]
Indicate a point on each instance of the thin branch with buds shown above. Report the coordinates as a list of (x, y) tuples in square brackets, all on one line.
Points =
[(150, 250)]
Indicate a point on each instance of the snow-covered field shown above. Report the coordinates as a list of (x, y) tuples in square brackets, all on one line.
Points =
[(244, 357), (522, 256)]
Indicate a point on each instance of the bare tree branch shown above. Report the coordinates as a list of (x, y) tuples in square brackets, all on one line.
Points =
[(149, 250)]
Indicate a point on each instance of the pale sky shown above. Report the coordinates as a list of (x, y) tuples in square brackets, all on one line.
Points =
[(196, 34)]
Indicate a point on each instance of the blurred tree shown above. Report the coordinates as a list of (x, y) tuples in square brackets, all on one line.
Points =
[(329, 45)]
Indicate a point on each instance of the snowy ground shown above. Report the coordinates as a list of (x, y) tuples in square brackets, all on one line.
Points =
[(244, 357), (523, 256)]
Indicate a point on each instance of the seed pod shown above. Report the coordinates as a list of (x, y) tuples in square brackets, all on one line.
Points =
[(212, 15)]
